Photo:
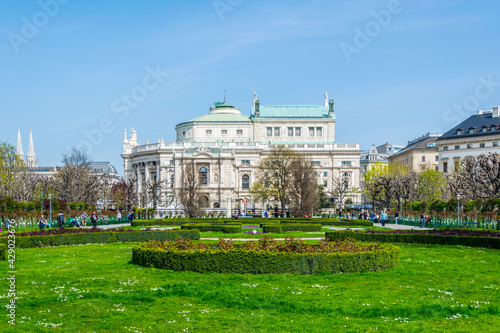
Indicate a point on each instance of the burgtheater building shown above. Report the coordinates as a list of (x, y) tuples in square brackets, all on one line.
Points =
[(226, 147)]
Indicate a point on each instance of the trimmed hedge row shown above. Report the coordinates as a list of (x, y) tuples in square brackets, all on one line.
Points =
[(474, 241), (226, 228), (254, 221), (277, 228), (265, 262), (3, 251), (102, 237)]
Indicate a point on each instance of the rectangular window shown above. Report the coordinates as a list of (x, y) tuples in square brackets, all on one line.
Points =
[(171, 161), (209, 132), (239, 132), (311, 131), (319, 131), (183, 133), (269, 131), (298, 131), (445, 166), (224, 131), (481, 145), (495, 144), (445, 148), (436, 168), (325, 183), (457, 147), (325, 174), (290, 131), (276, 131), (316, 162), (345, 163), (437, 157), (423, 158), (245, 161), (469, 146)]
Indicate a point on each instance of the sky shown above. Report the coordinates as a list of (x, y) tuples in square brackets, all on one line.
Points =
[(79, 72)]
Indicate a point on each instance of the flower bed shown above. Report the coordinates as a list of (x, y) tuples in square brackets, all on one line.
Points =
[(267, 256), (101, 236), (277, 228), (441, 236)]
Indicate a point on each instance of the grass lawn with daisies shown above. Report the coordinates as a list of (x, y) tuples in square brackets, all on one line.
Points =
[(95, 288)]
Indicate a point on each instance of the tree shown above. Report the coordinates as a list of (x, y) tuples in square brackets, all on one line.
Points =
[(275, 173), (123, 194), (304, 189), (431, 185), (341, 187), (74, 182), (10, 164), (189, 194), (153, 189)]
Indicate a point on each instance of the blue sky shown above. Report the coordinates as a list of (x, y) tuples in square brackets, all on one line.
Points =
[(396, 69)]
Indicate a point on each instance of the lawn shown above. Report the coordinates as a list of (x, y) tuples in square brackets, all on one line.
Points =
[(95, 288)]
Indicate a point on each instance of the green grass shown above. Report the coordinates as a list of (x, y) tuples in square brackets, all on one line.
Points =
[(95, 288)]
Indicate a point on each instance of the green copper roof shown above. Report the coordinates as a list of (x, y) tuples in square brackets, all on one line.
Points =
[(293, 111), (222, 117)]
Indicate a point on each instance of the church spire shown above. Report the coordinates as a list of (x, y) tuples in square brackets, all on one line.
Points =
[(31, 158), (19, 150)]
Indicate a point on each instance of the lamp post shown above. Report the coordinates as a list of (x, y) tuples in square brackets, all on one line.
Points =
[(50, 212), (400, 207), (458, 208)]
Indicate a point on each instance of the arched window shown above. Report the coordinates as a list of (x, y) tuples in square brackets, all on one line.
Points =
[(245, 182), (204, 202), (172, 181), (216, 205), (203, 176)]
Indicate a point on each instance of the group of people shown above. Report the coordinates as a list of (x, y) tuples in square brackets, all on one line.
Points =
[(60, 220)]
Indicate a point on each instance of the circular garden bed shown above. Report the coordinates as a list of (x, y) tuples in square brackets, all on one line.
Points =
[(267, 256)]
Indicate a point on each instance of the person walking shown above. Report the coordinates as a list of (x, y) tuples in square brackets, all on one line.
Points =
[(94, 218), (119, 217), (60, 219), (383, 218), (84, 218), (396, 216), (422, 220)]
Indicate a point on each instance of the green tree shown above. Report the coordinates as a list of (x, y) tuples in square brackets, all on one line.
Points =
[(431, 185), (10, 165)]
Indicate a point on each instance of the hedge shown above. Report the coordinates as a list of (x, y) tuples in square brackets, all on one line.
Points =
[(255, 221), (3, 251), (102, 237), (474, 241), (265, 262), (274, 228), (226, 228)]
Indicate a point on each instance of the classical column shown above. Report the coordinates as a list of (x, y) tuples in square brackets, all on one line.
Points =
[(228, 205)]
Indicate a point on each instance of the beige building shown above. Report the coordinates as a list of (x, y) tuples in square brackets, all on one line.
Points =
[(478, 134), (226, 146), (419, 154)]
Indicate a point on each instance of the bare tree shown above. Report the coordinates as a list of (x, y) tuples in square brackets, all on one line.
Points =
[(340, 188), (123, 194), (275, 174), (74, 182), (189, 194), (153, 189), (304, 189)]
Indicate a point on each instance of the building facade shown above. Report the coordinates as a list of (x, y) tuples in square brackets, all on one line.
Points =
[(226, 147), (419, 154), (478, 134)]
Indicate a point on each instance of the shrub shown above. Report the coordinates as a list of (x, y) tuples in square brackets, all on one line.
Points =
[(274, 228), (289, 257), (100, 237), (416, 237), (301, 227), (226, 228), (3, 251)]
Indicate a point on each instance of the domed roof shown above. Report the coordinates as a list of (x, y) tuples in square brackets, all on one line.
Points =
[(222, 112)]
